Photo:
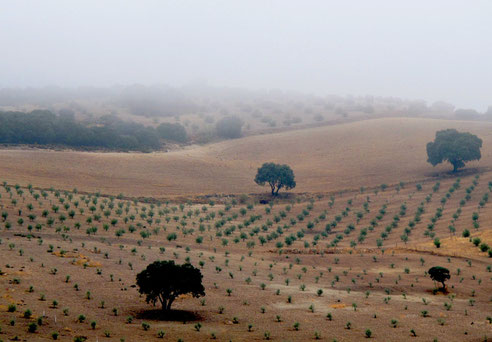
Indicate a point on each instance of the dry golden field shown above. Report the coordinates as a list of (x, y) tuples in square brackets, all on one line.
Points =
[(324, 159), (321, 264)]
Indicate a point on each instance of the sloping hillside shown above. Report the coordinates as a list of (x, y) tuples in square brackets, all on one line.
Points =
[(324, 159)]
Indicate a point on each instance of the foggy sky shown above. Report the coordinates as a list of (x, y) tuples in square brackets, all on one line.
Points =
[(433, 49)]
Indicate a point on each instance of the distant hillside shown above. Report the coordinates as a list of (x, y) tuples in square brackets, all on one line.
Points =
[(324, 159), (198, 108)]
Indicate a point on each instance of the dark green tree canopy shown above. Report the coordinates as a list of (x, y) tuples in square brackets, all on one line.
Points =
[(277, 176), (164, 281), (172, 131), (439, 274), (229, 127), (454, 147), (45, 128)]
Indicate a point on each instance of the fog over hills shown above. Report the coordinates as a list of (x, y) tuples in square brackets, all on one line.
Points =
[(255, 170), (435, 51)]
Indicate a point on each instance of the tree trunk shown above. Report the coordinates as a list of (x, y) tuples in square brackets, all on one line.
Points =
[(165, 306), (169, 303), (278, 188), (166, 303), (163, 303)]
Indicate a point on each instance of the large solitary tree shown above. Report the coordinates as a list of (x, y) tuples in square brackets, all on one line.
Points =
[(164, 281), (440, 275), (277, 176), (454, 147)]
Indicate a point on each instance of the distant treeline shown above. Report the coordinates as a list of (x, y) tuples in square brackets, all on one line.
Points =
[(156, 101), (42, 127)]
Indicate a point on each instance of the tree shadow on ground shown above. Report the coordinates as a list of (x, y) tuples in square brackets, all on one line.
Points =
[(266, 198), (460, 173), (168, 316), (438, 291)]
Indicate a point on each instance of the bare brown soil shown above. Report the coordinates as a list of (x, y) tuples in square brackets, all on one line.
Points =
[(363, 286), (328, 234)]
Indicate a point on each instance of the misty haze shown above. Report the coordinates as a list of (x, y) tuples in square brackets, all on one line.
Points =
[(245, 170)]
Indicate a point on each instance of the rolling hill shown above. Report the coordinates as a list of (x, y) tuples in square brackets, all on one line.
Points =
[(324, 159)]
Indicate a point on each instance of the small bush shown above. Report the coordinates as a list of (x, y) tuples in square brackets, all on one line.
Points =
[(32, 327), (27, 313), (484, 247)]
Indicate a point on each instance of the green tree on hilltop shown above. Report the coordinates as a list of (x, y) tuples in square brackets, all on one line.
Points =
[(455, 147)]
